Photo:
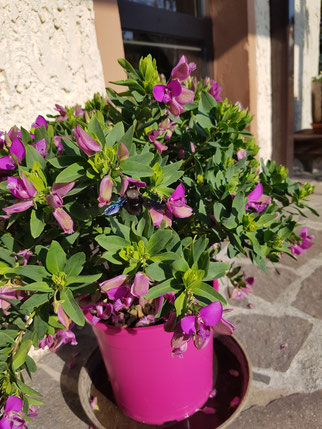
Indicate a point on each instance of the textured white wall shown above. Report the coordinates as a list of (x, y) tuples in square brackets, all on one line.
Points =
[(48, 55), (306, 58), (263, 78)]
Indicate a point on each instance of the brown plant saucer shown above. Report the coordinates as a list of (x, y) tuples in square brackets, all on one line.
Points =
[(231, 380)]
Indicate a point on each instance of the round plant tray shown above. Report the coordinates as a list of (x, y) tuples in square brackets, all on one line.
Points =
[(231, 380)]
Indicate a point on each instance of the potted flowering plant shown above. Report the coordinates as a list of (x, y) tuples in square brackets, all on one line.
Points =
[(118, 213)]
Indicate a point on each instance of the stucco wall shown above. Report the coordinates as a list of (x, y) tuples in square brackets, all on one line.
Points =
[(48, 55), (306, 58), (263, 78)]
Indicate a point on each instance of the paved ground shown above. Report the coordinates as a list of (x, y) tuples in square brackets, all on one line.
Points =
[(281, 331)]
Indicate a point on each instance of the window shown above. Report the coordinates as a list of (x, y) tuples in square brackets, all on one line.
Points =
[(167, 29)]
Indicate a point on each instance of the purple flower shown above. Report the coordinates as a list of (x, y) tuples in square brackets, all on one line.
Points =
[(152, 135), (183, 70), (304, 243), (177, 203), (215, 91), (17, 153), (7, 292), (123, 152), (85, 142), (21, 188), (25, 254), (64, 336), (64, 220), (199, 328), (106, 188), (41, 147), (11, 418), (40, 120), (174, 95), (62, 113), (125, 183), (140, 286), (58, 144), (256, 200)]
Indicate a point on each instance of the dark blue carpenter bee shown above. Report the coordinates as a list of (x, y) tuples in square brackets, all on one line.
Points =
[(132, 202)]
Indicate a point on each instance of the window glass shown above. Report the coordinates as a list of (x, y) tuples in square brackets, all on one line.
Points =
[(190, 7)]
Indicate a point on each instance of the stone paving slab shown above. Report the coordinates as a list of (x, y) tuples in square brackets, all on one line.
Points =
[(309, 297), (297, 411), (271, 342)]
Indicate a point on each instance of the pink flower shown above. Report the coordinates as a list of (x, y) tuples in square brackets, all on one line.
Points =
[(177, 203), (256, 200), (63, 318), (106, 188), (160, 147), (64, 220), (113, 283), (140, 286), (183, 70), (85, 142), (8, 292), (159, 215), (241, 154)]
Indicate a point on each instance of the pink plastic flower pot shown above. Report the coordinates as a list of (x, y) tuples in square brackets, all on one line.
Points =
[(150, 385)]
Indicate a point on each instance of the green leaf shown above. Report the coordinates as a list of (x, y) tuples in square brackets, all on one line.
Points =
[(37, 223), (32, 155), (127, 138), (136, 169), (26, 389), (83, 279), (73, 172), (115, 134), (112, 243), (180, 303), (5, 339), (37, 287), (35, 300), (56, 258), (94, 127), (158, 241), (204, 121), (161, 289), (33, 272), (158, 272), (180, 265), (74, 264), (65, 161), (71, 307), (216, 270), (40, 327), (206, 291), (20, 356), (199, 247), (207, 103)]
